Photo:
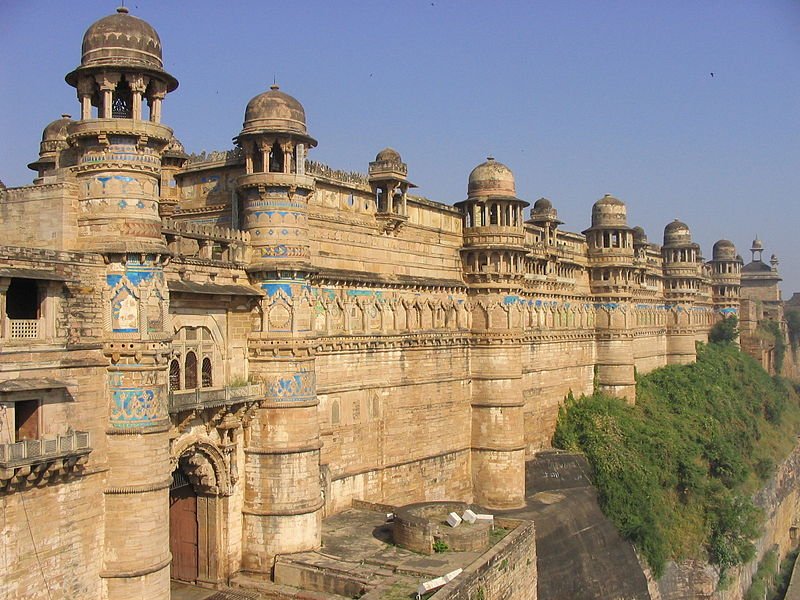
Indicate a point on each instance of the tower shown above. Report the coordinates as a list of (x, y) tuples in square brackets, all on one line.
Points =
[(283, 502), (493, 262), (682, 274), (118, 163), (611, 276), (388, 180), (726, 275)]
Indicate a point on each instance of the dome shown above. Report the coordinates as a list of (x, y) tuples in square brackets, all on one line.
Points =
[(388, 155), (609, 212), (491, 178), (274, 111), (542, 204), (757, 244), (677, 233), (57, 130), (122, 41), (639, 236), (724, 250)]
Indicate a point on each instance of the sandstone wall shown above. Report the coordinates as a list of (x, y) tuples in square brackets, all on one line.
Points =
[(51, 539), (506, 572), (48, 211), (552, 367), (395, 425)]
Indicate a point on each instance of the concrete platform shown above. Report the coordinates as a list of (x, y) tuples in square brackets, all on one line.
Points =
[(580, 554)]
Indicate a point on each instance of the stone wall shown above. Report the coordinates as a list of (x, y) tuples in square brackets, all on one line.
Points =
[(506, 572)]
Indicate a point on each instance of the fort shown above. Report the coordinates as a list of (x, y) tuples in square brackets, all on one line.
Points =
[(204, 356)]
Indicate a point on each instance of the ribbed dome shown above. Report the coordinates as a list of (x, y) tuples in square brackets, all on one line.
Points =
[(491, 179), (677, 233), (724, 250), (122, 42), (274, 111), (388, 155), (542, 204), (57, 130), (609, 212), (121, 39)]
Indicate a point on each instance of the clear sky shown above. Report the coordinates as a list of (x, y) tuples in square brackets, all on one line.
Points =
[(577, 98)]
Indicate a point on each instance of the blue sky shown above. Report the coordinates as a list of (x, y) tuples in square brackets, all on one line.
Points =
[(577, 98)]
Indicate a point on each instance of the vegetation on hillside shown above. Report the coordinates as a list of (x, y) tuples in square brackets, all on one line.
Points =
[(676, 471)]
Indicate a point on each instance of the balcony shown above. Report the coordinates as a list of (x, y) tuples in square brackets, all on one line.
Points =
[(200, 398), (42, 460)]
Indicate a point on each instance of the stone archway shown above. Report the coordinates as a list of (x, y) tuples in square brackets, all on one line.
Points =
[(198, 510)]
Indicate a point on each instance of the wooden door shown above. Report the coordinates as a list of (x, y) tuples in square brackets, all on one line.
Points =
[(26, 420), (183, 533)]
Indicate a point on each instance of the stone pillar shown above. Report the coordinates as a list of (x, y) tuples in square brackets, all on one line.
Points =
[(615, 365), (283, 501), (85, 91), (498, 435), (136, 554), (107, 83)]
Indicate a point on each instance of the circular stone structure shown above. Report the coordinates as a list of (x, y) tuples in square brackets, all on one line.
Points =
[(418, 526)]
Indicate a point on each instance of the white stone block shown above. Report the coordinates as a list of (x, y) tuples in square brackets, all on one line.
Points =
[(453, 520), (429, 586), (390, 516), (469, 516), (485, 518), (452, 575)]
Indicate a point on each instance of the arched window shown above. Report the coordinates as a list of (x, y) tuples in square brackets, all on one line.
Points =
[(493, 215), (122, 102), (174, 375), (190, 366), (335, 413), (207, 379), (276, 159)]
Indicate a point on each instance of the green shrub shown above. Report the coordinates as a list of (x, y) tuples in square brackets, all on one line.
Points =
[(725, 330), (675, 472)]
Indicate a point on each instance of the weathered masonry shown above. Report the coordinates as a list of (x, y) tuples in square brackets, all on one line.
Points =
[(203, 356)]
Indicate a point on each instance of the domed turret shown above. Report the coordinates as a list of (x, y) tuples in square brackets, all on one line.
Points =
[(276, 112), (491, 178), (122, 42), (724, 250), (388, 155), (639, 236), (609, 212), (387, 178), (54, 140), (677, 233), (121, 67)]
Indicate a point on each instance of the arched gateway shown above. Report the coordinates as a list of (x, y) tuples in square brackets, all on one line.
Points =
[(198, 503)]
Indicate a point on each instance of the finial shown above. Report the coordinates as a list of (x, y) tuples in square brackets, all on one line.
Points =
[(490, 158), (123, 10), (274, 86), (66, 116)]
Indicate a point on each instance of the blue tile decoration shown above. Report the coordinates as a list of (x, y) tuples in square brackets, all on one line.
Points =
[(136, 406), (300, 386)]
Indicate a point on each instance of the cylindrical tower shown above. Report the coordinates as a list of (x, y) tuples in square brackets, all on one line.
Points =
[(612, 275), (682, 280), (726, 277), (283, 501), (493, 255), (118, 169)]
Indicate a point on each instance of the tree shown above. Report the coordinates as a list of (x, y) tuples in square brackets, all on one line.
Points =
[(724, 331)]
